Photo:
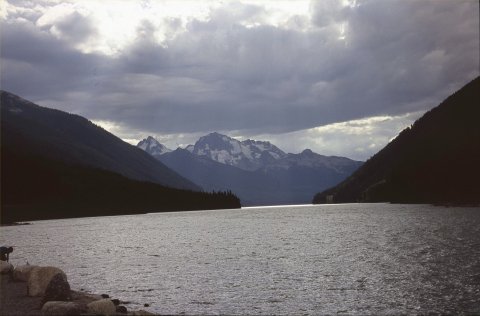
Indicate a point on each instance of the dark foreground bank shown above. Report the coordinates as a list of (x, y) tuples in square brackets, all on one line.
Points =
[(32, 290)]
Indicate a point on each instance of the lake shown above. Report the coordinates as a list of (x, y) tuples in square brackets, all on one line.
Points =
[(321, 259)]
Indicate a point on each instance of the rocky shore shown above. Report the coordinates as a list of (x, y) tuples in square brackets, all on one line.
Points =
[(35, 290)]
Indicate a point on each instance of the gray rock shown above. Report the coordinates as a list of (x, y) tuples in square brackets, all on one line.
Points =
[(58, 289), (142, 313), (122, 309), (22, 273), (5, 267), (102, 307), (40, 278), (62, 308)]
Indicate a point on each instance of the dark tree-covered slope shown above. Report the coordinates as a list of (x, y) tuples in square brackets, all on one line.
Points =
[(437, 160), (30, 129), (58, 165), (36, 188)]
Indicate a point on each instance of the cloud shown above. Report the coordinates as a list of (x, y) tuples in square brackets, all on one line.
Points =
[(329, 12), (240, 66), (39, 66), (73, 27), (357, 139)]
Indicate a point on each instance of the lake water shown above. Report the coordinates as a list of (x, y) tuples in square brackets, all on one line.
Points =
[(330, 259)]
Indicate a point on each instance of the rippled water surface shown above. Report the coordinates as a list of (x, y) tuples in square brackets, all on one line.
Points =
[(334, 259)]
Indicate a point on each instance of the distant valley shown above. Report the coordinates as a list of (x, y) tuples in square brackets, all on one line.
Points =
[(57, 165), (257, 171)]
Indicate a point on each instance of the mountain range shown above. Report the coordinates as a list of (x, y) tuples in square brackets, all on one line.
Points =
[(55, 164), (258, 172), (247, 155), (436, 160)]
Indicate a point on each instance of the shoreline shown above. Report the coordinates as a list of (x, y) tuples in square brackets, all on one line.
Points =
[(15, 298), (15, 224), (437, 204)]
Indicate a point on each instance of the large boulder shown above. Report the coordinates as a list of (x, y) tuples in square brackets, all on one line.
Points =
[(39, 279), (63, 308), (84, 297), (5, 267), (22, 273), (58, 289), (120, 309), (102, 307)]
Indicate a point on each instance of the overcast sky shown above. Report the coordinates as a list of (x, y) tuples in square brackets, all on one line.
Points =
[(339, 77)]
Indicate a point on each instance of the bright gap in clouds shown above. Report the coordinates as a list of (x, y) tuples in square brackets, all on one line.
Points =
[(355, 139), (117, 22)]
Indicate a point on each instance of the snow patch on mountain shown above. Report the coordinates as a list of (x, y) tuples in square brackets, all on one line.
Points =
[(252, 155), (247, 155), (153, 147)]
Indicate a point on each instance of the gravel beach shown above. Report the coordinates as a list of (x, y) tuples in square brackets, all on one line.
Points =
[(14, 299)]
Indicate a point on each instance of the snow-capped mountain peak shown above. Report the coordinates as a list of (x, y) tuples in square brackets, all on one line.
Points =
[(260, 147), (152, 146), (247, 155)]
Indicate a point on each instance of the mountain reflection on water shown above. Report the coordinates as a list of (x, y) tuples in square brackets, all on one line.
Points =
[(345, 259)]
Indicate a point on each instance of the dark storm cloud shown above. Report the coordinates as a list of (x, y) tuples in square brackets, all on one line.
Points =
[(40, 67), (223, 73)]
